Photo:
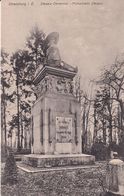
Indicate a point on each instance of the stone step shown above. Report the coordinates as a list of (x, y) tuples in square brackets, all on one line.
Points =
[(45, 161), (30, 169)]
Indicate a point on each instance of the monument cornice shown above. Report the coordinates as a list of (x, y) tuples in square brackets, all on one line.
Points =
[(53, 71)]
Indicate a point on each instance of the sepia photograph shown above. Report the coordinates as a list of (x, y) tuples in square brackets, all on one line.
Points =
[(62, 98)]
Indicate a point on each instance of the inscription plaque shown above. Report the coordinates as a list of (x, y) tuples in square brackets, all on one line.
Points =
[(63, 130)]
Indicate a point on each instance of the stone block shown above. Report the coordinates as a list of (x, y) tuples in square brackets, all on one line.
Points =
[(44, 161), (115, 177), (62, 107)]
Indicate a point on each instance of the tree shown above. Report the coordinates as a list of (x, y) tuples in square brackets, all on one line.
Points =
[(108, 105), (35, 45), (6, 96), (25, 63), (18, 61), (10, 174), (113, 78), (102, 113), (86, 106), (86, 100)]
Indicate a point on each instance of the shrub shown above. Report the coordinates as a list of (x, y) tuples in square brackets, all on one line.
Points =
[(99, 150), (121, 150), (23, 151), (10, 174), (3, 153), (113, 147)]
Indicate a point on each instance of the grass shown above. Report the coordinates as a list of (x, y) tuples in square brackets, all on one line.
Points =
[(80, 182)]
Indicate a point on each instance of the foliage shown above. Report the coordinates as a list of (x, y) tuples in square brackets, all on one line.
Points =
[(86, 99), (10, 174), (7, 96), (113, 147), (121, 149), (6, 71), (99, 150), (113, 78), (86, 181), (109, 104), (23, 64), (35, 44)]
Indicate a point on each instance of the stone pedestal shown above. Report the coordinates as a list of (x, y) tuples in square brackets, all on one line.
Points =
[(56, 126), (56, 114)]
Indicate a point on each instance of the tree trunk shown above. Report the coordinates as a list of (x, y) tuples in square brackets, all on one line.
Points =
[(119, 125), (4, 118), (18, 108), (121, 118), (83, 134), (25, 139), (104, 131), (110, 129), (3, 130), (110, 121), (95, 127), (21, 144)]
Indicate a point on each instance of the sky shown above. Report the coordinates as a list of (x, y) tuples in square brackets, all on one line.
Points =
[(91, 36)]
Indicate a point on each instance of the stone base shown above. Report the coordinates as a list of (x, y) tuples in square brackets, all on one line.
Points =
[(45, 161)]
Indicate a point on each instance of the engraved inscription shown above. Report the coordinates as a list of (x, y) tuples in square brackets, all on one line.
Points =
[(63, 130)]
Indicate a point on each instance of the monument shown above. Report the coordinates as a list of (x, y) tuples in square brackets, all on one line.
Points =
[(56, 126)]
